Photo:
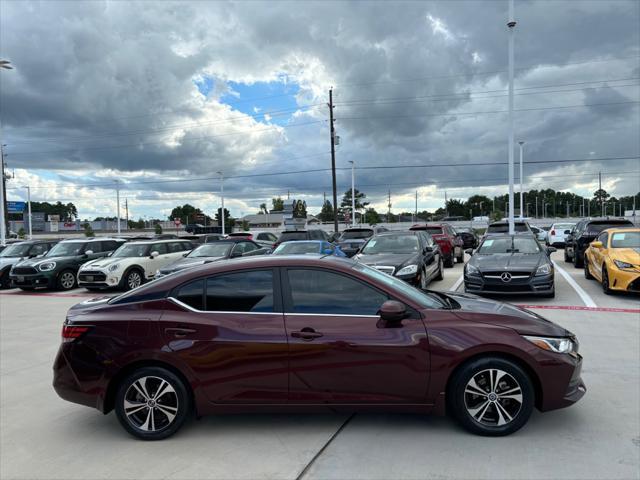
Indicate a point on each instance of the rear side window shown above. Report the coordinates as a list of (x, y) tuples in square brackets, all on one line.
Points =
[(175, 247), (110, 245), (161, 248), (241, 292), (192, 294), (95, 247)]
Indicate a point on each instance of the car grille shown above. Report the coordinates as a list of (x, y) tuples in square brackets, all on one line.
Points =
[(95, 276), (385, 269), (497, 275), (24, 271), (507, 288)]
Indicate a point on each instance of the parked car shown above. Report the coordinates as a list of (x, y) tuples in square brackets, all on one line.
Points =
[(558, 233), (613, 259), (411, 256), (19, 251), (294, 235), (270, 333), (584, 233), (7, 243), (265, 239), (352, 239), (308, 247), (213, 252), (510, 264), (192, 227), (132, 264), (540, 233), (469, 237), (59, 267), (451, 245), (503, 227)]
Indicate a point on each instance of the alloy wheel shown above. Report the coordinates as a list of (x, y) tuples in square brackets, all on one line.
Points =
[(493, 398), (151, 404), (133, 280), (67, 280)]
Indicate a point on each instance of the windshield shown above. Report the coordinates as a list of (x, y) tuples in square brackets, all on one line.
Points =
[(625, 240), (65, 249), (292, 236), (392, 244), (598, 227), (509, 245), (216, 249), (425, 300), (15, 251), (297, 248), (357, 234), (133, 250)]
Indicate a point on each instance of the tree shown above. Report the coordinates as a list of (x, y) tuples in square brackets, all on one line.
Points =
[(158, 229), (187, 214), (88, 231), (21, 233), (478, 204), (228, 221), (245, 226), (263, 209), (278, 204), (345, 204), (326, 213), (371, 216), (456, 208)]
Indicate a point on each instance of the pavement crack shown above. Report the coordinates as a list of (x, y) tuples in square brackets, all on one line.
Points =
[(324, 447)]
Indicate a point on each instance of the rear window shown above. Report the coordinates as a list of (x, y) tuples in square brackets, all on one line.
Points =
[(287, 236), (434, 230), (597, 227), (352, 234), (504, 228)]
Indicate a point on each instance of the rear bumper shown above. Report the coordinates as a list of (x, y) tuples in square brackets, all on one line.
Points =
[(67, 385)]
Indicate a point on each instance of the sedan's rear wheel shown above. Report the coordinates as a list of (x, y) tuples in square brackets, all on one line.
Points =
[(491, 396), (152, 403)]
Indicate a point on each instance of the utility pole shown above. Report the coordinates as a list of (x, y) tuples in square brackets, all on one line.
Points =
[(389, 205), (29, 210), (511, 24), (126, 206), (600, 191), (446, 204), (416, 210), (3, 201), (353, 193), (222, 215), (118, 204), (521, 143), (536, 207), (567, 209), (333, 161)]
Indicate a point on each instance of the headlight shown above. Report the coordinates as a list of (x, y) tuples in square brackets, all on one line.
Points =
[(543, 269), (114, 267), (471, 269), (557, 345), (408, 270), (622, 265), (47, 267)]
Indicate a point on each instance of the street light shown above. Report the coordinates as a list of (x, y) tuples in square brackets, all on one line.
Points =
[(353, 193), (222, 200), (29, 209), (521, 143)]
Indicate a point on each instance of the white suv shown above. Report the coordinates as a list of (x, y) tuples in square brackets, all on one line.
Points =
[(557, 236), (132, 264)]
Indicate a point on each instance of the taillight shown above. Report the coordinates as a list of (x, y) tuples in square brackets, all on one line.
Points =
[(553, 232), (71, 332)]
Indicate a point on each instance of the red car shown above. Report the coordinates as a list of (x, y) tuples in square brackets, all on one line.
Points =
[(290, 333), (451, 244)]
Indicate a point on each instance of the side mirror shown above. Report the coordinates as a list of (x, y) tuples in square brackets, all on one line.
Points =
[(469, 251), (567, 232), (596, 244), (428, 249), (393, 311), (185, 254), (550, 250), (109, 254), (154, 254), (88, 252), (235, 254)]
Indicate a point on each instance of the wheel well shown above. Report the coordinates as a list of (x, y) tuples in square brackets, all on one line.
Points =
[(110, 397), (537, 387)]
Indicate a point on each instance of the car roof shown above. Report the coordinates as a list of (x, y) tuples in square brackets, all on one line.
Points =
[(90, 240), (160, 240), (621, 221), (397, 232), (358, 229), (506, 234), (297, 242)]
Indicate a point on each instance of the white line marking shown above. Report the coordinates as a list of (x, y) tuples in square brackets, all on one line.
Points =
[(588, 301), (457, 284)]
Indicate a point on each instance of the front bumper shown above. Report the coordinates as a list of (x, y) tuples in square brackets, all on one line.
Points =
[(533, 285), (562, 382), (624, 280), (98, 279), (35, 280), (413, 278)]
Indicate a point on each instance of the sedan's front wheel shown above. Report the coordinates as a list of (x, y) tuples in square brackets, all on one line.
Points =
[(491, 396), (152, 403)]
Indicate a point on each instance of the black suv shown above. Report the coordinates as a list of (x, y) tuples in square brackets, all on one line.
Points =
[(584, 233)]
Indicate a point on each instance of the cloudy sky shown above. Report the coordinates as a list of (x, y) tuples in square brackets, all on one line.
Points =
[(162, 95)]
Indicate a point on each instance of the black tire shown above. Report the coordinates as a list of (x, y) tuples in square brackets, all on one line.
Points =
[(448, 261), (605, 282), (424, 280), (460, 259), (462, 404), (178, 401), (5, 281), (66, 280), (440, 274), (566, 257), (128, 279), (27, 289), (578, 261), (587, 273)]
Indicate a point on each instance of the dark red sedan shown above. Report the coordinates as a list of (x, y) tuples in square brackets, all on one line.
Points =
[(285, 333)]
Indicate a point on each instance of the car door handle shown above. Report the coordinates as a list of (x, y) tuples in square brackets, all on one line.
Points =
[(306, 334), (179, 332)]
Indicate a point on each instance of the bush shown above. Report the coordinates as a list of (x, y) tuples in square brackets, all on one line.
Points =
[(158, 228), (88, 231), (21, 233), (245, 226)]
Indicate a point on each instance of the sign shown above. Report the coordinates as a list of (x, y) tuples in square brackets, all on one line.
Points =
[(177, 222), (16, 207), (54, 226), (54, 218)]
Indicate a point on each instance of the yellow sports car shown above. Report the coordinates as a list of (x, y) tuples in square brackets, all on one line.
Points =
[(613, 258)]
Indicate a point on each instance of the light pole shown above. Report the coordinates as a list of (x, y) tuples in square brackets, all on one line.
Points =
[(511, 24), (3, 224), (521, 143), (29, 210), (222, 219), (118, 205), (527, 209), (353, 193)]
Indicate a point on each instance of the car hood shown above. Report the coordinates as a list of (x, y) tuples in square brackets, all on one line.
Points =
[(396, 260), (36, 261), (8, 261), (523, 321), (104, 262), (629, 255), (513, 261), (188, 262)]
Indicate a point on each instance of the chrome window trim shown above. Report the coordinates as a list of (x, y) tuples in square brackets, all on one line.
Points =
[(331, 315)]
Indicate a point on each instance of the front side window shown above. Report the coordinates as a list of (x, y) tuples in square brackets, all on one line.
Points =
[(240, 292), (604, 236), (132, 250), (64, 249), (192, 294), (322, 292)]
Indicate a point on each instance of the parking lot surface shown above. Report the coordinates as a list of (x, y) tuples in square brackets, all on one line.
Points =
[(42, 436)]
